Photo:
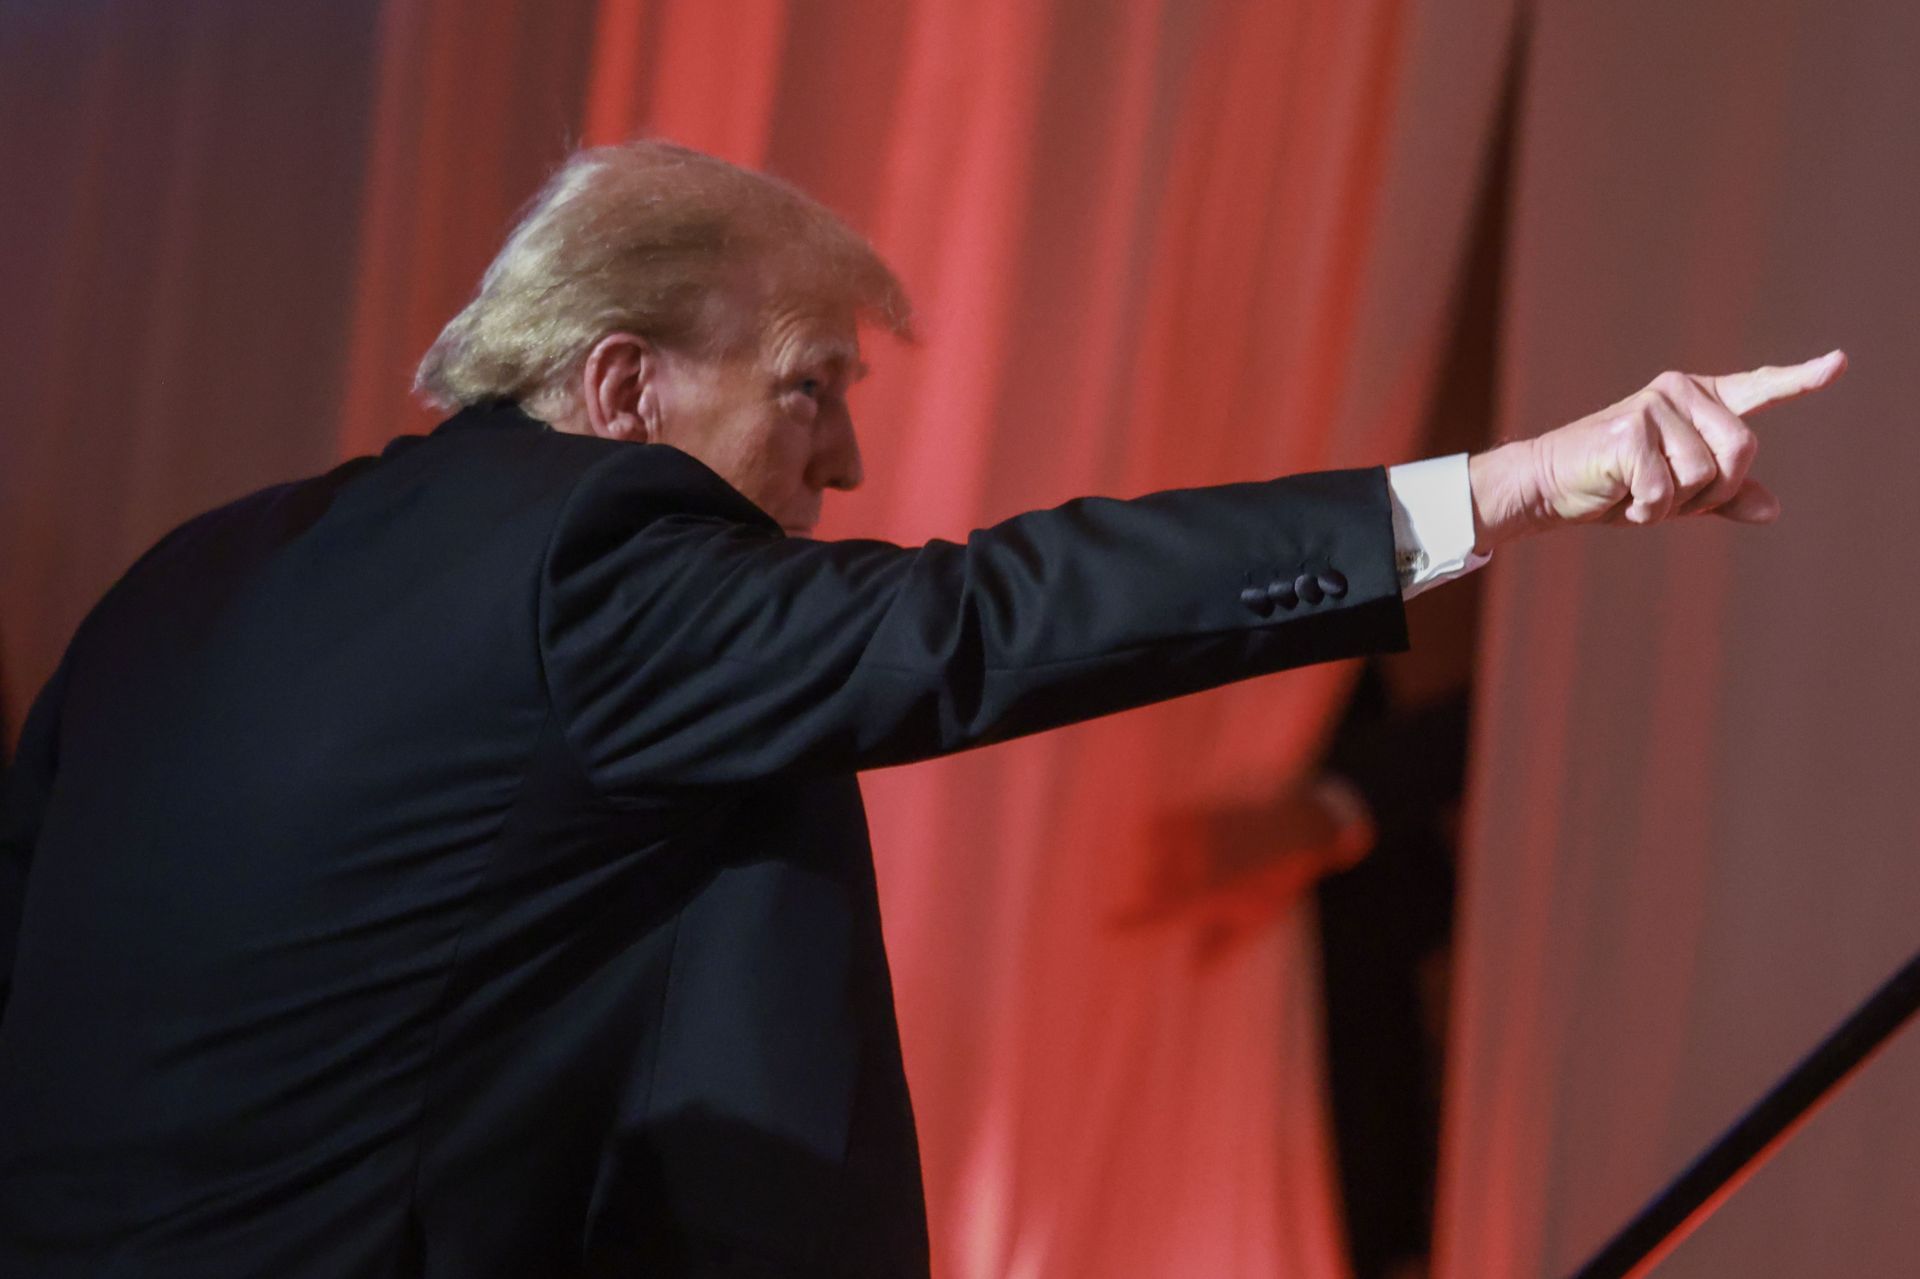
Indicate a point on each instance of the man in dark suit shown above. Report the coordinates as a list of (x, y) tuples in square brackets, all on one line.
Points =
[(453, 864)]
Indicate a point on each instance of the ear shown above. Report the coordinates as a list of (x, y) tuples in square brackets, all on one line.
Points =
[(619, 388)]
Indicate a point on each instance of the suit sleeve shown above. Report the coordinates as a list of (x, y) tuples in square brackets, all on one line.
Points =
[(687, 641), (23, 805)]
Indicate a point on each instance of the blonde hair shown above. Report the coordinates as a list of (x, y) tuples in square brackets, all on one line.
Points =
[(653, 239)]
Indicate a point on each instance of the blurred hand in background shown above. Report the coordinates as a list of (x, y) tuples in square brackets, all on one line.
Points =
[(1231, 873)]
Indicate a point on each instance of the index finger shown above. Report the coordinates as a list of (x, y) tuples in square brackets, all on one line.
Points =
[(1765, 387)]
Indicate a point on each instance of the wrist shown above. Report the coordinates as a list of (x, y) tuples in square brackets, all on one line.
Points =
[(1502, 481)]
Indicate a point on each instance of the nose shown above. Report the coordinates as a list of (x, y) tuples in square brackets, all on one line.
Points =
[(836, 457)]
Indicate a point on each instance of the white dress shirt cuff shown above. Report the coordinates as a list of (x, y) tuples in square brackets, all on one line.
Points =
[(1432, 522)]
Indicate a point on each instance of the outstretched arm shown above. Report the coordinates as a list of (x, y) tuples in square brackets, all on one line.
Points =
[(688, 642)]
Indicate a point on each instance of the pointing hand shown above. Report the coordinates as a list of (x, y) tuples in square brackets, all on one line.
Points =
[(1677, 447)]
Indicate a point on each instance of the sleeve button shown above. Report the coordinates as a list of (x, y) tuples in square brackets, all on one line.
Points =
[(1334, 583), (1281, 592), (1308, 587)]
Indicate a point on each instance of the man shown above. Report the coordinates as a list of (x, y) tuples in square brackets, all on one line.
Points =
[(453, 865)]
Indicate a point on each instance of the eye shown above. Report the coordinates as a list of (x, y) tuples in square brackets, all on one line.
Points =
[(811, 387)]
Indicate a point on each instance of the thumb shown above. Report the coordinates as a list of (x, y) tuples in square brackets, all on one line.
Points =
[(1753, 503)]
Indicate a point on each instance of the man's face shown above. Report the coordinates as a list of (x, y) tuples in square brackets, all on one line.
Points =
[(772, 421)]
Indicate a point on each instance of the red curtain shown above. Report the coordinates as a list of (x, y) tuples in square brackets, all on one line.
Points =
[(1692, 848)]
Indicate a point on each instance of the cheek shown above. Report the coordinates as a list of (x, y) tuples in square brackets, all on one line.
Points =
[(775, 456), (790, 445)]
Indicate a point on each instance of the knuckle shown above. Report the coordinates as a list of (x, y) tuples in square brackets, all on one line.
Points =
[(1671, 383), (1635, 426), (1693, 475)]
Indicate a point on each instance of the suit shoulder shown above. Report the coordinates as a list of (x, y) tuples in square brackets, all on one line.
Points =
[(649, 480)]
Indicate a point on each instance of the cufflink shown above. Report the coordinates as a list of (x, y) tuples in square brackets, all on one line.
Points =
[(1409, 565)]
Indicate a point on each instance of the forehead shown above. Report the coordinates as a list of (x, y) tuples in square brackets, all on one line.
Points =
[(797, 337)]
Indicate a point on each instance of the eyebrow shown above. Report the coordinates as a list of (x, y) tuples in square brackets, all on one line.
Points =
[(834, 355)]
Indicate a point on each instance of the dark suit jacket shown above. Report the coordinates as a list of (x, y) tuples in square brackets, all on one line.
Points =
[(453, 865)]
